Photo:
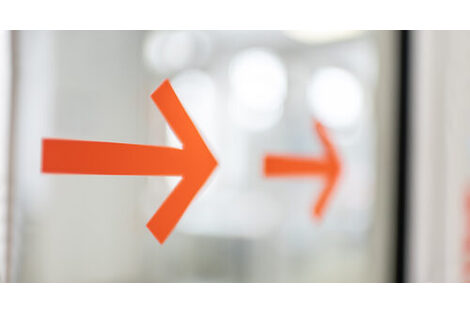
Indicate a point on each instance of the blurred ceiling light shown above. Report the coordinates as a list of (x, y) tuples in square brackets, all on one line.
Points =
[(320, 37), (336, 98), (258, 80), (171, 51)]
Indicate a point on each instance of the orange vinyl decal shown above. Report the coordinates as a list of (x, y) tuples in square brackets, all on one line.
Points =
[(194, 162), (327, 166)]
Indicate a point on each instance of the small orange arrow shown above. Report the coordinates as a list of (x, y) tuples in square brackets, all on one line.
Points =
[(194, 162), (328, 166)]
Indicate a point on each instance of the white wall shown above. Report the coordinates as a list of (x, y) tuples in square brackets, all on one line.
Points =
[(69, 227), (5, 71), (440, 155)]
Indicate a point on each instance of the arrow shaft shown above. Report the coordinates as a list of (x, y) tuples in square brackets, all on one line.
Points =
[(287, 165), (63, 156)]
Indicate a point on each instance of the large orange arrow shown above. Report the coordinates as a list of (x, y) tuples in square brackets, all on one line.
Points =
[(327, 166), (194, 162)]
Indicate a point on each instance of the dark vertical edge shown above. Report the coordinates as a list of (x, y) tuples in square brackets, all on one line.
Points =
[(403, 154)]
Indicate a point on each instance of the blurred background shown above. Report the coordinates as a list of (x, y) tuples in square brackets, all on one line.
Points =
[(395, 104)]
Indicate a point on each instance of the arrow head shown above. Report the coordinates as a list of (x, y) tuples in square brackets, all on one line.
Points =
[(327, 166), (198, 163), (332, 170)]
